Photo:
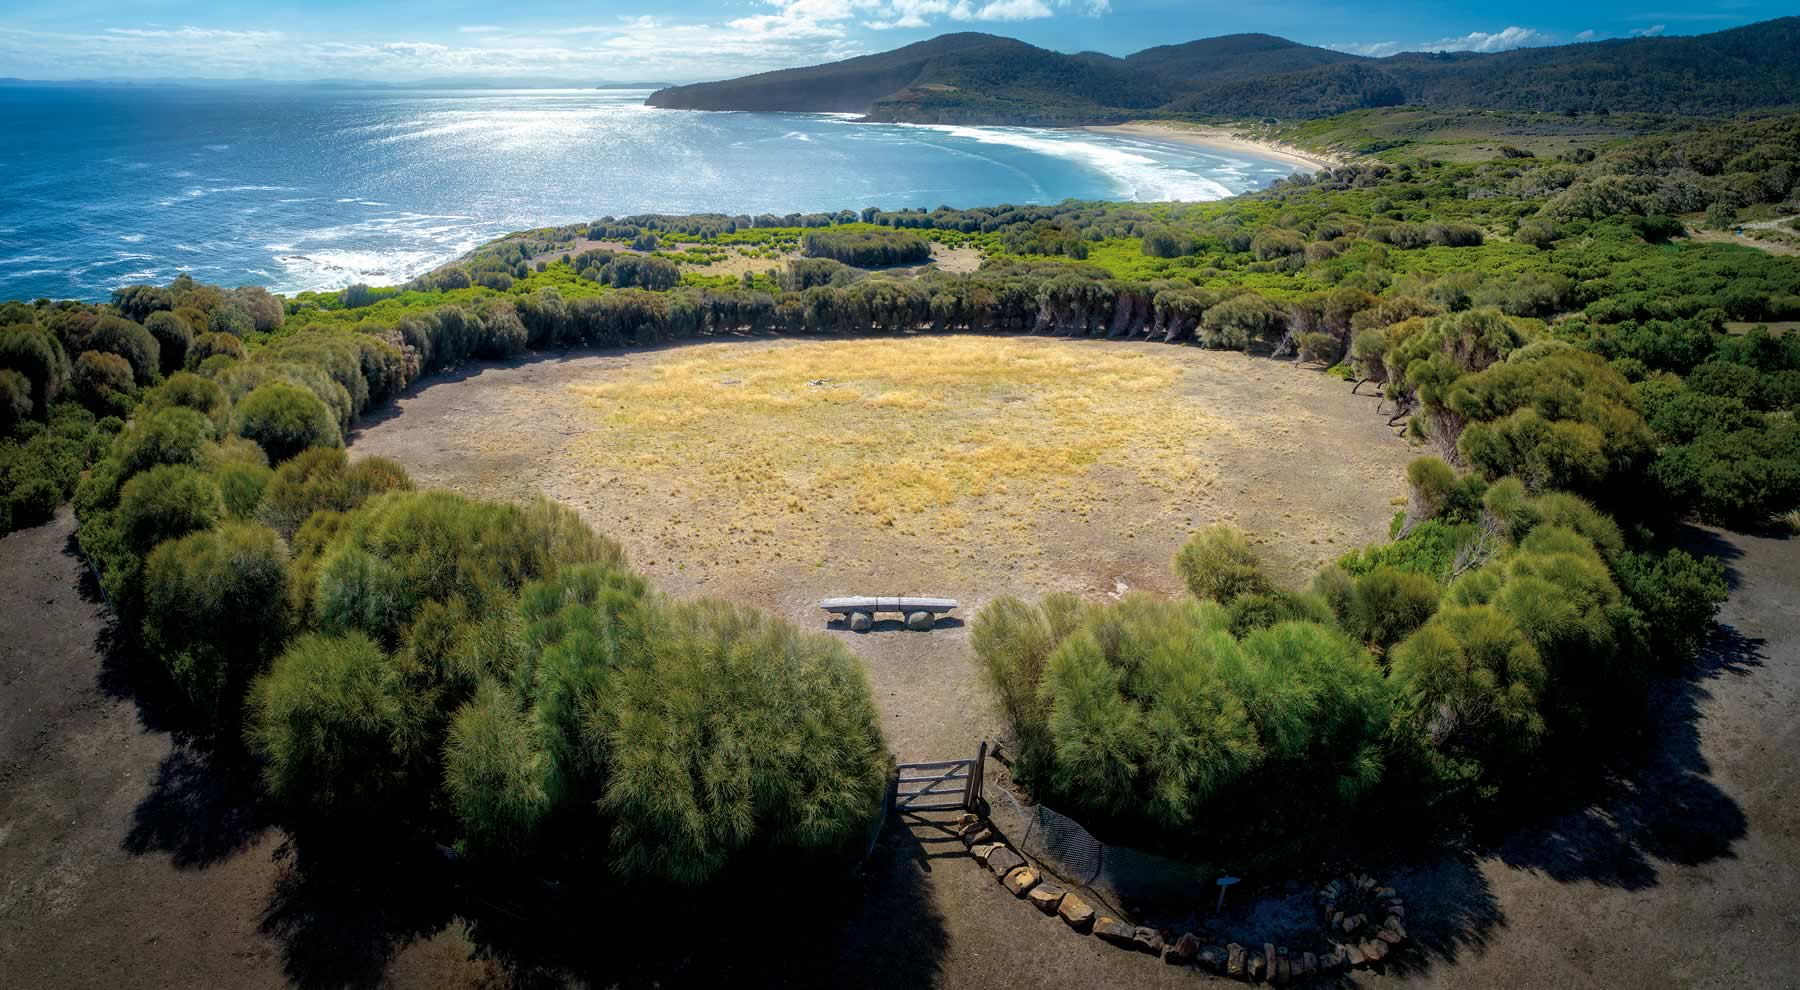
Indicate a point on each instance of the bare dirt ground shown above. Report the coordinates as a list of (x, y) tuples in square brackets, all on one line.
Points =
[(126, 859), (121, 864)]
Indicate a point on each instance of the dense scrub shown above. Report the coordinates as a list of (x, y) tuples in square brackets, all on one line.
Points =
[(488, 675), (1415, 693), (867, 248)]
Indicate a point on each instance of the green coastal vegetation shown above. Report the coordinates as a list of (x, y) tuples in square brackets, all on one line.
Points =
[(972, 78), (1579, 376)]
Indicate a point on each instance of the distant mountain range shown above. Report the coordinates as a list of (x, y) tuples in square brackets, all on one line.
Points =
[(982, 78), (481, 82)]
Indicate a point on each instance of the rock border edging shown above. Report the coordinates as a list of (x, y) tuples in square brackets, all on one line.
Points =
[(1271, 963)]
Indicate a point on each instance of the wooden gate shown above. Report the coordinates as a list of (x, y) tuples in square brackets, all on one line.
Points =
[(943, 785)]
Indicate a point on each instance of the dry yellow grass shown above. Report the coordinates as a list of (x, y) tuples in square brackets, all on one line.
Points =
[(920, 434)]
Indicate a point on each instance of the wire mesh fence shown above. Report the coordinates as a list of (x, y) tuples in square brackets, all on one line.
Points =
[(1062, 845)]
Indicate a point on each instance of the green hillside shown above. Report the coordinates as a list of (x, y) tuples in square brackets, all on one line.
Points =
[(979, 78)]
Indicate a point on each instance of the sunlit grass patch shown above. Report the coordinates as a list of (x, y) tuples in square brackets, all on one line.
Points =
[(955, 434)]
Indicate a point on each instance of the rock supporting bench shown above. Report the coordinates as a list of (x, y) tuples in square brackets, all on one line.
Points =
[(859, 611)]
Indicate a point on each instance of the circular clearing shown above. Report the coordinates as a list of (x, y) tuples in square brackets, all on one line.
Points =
[(783, 471)]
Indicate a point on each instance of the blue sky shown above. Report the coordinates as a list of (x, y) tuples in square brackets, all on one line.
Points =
[(686, 40)]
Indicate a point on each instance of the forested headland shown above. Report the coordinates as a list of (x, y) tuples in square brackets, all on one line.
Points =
[(971, 78), (1580, 378)]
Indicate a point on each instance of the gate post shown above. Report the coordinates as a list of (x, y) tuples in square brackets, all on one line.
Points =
[(972, 795)]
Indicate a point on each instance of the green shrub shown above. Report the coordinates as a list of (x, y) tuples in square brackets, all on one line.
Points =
[(34, 353), (867, 248), (736, 730), (284, 420), (1261, 609), (215, 611), (334, 735), (403, 549), (103, 381), (187, 390), (1012, 640), (211, 345), (1438, 492), (1468, 684), (167, 502), (1577, 514), (324, 478), (114, 335), (1386, 605), (1236, 322), (173, 338), (496, 770), (1737, 479), (241, 485), (1320, 707), (15, 399), (1142, 722), (33, 501), (1217, 563), (1429, 549), (215, 366), (1679, 595), (166, 436), (1321, 347)]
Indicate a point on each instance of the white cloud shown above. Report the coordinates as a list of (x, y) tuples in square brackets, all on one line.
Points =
[(190, 34), (1474, 41), (481, 29), (1375, 49), (889, 14), (1649, 32), (1002, 10), (1587, 35), (1483, 41), (635, 48)]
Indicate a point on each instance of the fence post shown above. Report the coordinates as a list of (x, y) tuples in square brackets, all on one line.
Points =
[(972, 796)]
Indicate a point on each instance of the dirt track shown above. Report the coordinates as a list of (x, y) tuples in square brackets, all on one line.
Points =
[(125, 862)]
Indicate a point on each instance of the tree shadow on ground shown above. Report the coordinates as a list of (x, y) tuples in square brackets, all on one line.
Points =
[(201, 810), (873, 926), (1657, 804), (341, 922), (894, 625)]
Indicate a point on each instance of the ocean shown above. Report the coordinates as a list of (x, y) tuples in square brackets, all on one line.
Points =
[(302, 187)]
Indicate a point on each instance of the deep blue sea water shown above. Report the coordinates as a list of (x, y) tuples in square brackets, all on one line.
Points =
[(305, 188)]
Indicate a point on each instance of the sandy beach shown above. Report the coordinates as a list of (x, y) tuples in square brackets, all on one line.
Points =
[(1220, 139)]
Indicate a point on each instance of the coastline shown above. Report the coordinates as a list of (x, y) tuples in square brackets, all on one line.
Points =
[(1220, 139)]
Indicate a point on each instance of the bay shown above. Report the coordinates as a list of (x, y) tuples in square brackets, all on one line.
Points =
[(304, 187)]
